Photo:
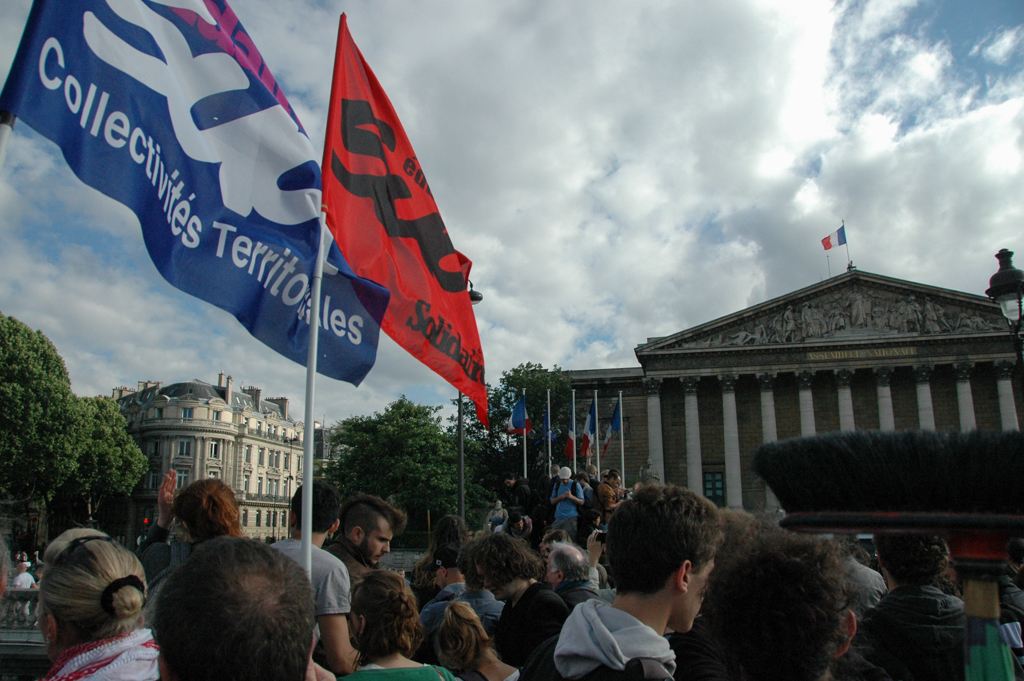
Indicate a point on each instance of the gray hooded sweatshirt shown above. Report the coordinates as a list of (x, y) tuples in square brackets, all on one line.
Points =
[(597, 634)]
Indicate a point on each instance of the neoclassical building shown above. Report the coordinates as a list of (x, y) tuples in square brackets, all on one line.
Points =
[(200, 431), (856, 351)]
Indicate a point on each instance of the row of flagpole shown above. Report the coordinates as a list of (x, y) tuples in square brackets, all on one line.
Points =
[(519, 423)]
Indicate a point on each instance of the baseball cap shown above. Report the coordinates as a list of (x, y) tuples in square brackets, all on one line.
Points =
[(446, 556)]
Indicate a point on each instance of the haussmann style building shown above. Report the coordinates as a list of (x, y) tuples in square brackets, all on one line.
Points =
[(200, 430), (858, 351)]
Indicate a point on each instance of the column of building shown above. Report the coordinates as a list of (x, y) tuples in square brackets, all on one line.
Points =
[(694, 468), (1004, 387), (925, 411), (804, 378), (964, 397), (886, 421), (846, 421), (769, 429), (731, 441), (655, 444)]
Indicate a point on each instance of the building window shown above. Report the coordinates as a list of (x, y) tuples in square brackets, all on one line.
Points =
[(288, 489), (185, 447), (259, 426), (262, 451), (187, 413), (259, 486), (245, 484), (287, 460), (153, 479), (248, 453), (154, 449), (258, 513), (215, 449), (274, 519), (215, 474), (182, 477), (159, 412), (245, 517), (714, 488), (277, 459)]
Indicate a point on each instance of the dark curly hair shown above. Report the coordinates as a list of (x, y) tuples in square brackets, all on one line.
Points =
[(503, 558), (912, 559), (779, 607), (208, 509), (467, 565), (392, 623), (653, 533)]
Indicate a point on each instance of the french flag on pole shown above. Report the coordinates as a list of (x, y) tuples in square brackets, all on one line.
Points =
[(519, 421), (589, 430), (614, 427), (570, 440), (836, 238)]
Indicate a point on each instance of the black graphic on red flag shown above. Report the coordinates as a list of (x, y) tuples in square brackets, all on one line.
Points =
[(383, 215)]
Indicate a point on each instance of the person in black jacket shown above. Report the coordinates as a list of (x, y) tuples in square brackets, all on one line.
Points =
[(533, 611), (569, 574), (916, 631), (516, 494)]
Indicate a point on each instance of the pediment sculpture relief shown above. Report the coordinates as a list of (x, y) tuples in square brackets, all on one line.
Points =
[(851, 314)]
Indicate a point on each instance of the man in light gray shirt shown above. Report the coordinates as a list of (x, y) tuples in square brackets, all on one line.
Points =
[(330, 577)]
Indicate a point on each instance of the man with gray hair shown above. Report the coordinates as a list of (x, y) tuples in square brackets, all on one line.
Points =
[(569, 574)]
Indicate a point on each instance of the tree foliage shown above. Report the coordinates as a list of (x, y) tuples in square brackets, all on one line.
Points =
[(490, 454), (402, 453), (39, 415), (109, 460)]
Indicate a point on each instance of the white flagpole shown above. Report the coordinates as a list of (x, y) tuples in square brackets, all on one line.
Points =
[(572, 422), (547, 425), (622, 441), (597, 434), (6, 130), (524, 434), (306, 546)]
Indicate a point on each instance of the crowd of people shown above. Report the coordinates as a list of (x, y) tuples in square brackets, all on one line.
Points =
[(661, 584)]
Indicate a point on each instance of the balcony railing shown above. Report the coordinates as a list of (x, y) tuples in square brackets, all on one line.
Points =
[(272, 498), (18, 613)]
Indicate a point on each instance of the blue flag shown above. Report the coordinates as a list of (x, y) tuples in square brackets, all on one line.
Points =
[(167, 107)]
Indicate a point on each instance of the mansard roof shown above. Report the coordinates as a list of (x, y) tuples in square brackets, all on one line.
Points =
[(203, 393), (855, 309)]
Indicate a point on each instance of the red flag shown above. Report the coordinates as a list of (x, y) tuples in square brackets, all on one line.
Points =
[(382, 214)]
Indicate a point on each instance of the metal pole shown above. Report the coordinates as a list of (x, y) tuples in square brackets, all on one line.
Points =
[(462, 464), (597, 436), (524, 437), (622, 437), (572, 424), (306, 546), (547, 427)]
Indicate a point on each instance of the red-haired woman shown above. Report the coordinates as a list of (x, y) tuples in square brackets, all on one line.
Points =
[(206, 509)]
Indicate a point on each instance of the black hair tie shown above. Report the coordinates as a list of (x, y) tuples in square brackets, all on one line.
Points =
[(107, 598)]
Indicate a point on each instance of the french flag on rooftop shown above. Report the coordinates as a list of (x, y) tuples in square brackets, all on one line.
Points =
[(519, 421), (836, 238)]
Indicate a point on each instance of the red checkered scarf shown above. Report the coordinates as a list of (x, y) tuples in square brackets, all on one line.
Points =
[(131, 657)]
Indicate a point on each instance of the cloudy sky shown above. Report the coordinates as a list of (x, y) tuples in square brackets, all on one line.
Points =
[(615, 171)]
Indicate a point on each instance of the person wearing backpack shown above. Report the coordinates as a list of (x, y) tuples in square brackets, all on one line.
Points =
[(567, 498)]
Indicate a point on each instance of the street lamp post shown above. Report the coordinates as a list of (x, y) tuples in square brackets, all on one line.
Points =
[(474, 298), (1006, 287)]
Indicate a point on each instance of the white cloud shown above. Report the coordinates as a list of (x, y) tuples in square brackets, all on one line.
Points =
[(614, 171)]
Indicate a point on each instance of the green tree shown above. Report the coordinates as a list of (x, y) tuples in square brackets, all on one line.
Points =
[(110, 463), (403, 454), (39, 415), (491, 453)]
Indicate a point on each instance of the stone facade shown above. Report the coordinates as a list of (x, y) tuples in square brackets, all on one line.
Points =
[(857, 351), (214, 431)]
